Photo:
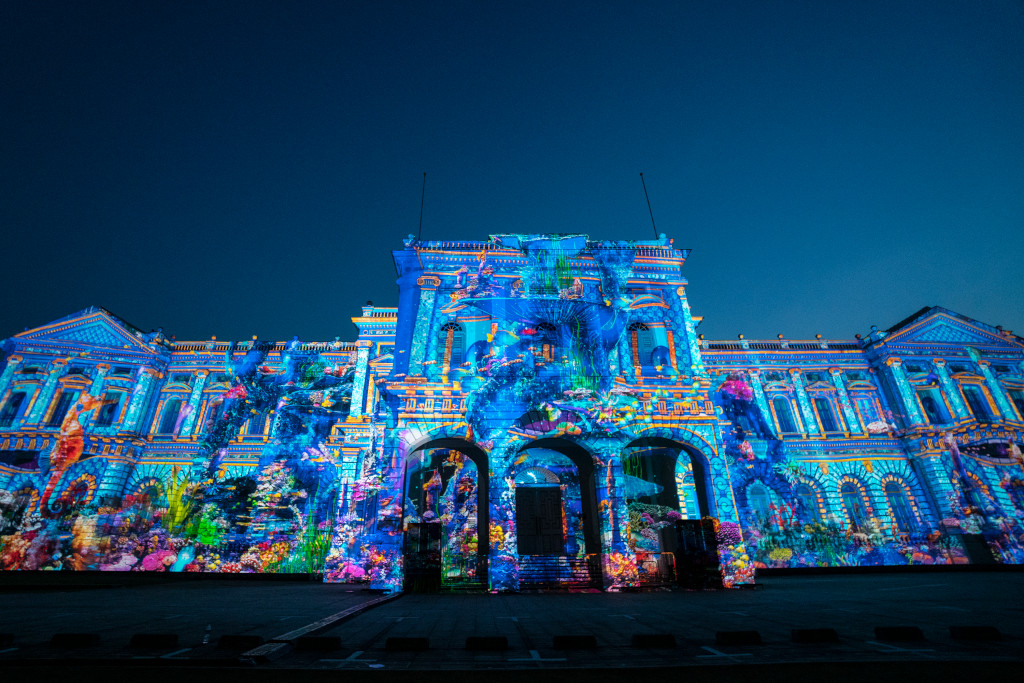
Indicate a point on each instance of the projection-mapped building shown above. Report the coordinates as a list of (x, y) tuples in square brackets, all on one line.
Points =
[(538, 410)]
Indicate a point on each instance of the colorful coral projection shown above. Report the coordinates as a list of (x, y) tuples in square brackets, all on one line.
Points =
[(538, 411)]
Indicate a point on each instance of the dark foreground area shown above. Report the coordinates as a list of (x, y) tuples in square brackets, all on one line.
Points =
[(939, 625)]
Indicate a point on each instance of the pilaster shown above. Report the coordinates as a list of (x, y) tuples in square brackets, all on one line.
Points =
[(13, 363), (42, 401), (997, 392), (852, 423), (810, 421), (762, 403), (950, 389), (193, 403), (139, 400), (359, 383), (424, 314), (906, 394)]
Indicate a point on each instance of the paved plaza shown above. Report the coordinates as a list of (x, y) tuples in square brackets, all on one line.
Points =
[(886, 626)]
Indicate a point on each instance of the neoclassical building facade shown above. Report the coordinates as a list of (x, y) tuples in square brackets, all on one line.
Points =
[(537, 410)]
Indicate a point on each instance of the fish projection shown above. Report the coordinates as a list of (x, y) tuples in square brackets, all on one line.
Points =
[(538, 411), (201, 517)]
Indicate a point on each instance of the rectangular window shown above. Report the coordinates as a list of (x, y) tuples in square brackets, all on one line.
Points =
[(934, 406), (828, 420), (976, 400), (11, 408), (61, 409), (109, 411)]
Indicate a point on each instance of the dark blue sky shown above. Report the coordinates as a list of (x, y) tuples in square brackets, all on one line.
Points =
[(246, 168)]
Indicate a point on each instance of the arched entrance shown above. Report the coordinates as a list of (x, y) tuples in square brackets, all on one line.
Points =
[(666, 493), (556, 516), (444, 509)]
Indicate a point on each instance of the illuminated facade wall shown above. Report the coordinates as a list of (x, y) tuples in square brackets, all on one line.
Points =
[(537, 410)]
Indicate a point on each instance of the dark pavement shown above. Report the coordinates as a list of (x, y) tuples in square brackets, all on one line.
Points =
[(324, 630)]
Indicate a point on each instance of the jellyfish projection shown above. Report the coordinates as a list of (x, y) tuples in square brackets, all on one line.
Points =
[(537, 411)]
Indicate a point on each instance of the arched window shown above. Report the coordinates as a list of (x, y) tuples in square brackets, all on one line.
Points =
[(902, 515), (976, 400), (853, 503), (451, 345), (11, 409), (825, 414), (808, 511), (641, 340), (170, 416), (784, 415), (759, 498)]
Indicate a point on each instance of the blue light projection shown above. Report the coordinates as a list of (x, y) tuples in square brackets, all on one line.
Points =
[(538, 411)]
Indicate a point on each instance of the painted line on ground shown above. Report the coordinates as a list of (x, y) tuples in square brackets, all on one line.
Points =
[(278, 645)]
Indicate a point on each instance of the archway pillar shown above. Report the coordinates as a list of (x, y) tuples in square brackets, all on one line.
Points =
[(618, 558)]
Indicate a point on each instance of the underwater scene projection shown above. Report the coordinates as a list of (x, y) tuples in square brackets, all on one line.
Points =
[(537, 412), (200, 516)]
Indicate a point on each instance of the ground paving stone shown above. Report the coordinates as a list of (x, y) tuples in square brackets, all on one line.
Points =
[(853, 605)]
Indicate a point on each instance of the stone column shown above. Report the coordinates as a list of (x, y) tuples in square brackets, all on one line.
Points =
[(852, 423), (359, 383), (422, 329), (810, 422), (5, 379), (997, 392), (42, 401), (194, 400), (762, 403), (140, 399), (912, 412), (691, 336), (956, 401)]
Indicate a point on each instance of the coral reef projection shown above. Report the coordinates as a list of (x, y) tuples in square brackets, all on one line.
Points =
[(538, 411)]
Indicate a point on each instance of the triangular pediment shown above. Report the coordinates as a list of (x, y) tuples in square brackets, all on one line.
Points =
[(91, 327), (939, 326)]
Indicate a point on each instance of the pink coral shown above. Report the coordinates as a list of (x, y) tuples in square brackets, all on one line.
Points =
[(158, 561)]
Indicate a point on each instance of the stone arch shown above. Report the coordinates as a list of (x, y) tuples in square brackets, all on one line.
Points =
[(585, 462), (145, 487), (817, 489), (147, 471), (849, 482), (711, 485), (893, 485), (441, 438), (83, 487)]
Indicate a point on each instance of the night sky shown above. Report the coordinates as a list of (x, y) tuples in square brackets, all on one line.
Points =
[(246, 168)]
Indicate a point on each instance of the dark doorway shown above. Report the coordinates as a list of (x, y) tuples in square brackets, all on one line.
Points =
[(539, 520)]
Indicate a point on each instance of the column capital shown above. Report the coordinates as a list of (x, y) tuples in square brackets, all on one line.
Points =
[(103, 368), (939, 362), (894, 362), (984, 364), (202, 373), (795, 372), (14, 360), (835, 371)]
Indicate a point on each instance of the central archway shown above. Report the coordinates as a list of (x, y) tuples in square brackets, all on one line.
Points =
[(557, 526)]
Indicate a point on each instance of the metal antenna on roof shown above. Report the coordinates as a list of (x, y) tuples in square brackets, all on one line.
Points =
[(649, 206), (422, 195)]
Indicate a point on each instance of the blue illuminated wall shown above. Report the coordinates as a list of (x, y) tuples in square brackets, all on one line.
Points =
[(538, 410)]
